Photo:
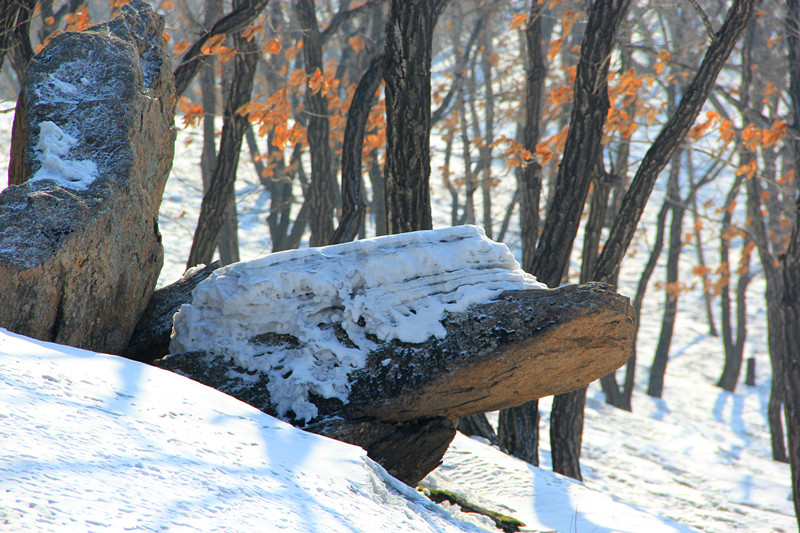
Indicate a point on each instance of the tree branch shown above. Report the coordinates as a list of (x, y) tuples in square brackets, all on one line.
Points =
[(192, 60)]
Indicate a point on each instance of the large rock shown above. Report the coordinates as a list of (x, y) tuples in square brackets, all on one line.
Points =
[(151, 336), (93, 141), (384, 343)]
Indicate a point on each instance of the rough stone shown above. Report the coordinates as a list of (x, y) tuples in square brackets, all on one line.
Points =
[(150, 340), (93, 141), (524, 345)]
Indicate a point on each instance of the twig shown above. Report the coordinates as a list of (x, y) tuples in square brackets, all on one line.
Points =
[(704, 18)]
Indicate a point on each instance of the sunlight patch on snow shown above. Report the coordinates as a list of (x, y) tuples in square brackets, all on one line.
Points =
[(395, 287)]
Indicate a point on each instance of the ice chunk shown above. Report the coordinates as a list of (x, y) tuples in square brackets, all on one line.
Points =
[(52, 149), (287, 314)]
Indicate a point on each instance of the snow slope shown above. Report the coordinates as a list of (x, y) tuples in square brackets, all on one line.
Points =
[(94, 442)]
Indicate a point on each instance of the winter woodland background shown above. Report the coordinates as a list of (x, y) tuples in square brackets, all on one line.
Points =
[(707, 266)]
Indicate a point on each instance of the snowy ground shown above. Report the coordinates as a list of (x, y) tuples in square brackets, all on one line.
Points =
[(700, 456)]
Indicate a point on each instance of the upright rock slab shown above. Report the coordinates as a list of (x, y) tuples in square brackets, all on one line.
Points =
[(93, 142)]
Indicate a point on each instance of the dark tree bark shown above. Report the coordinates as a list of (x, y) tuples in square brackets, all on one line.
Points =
[(451, 187), (353, 202), (322, 192), (407, 72), (501, 235), (221, 189), (790, 313), (22, 51), (485, 150), (477, 426), (228, 242), (378, 194), (15, 16), (773, 295), (470, 181), (239, 18), (626, 396), (566, 432), (734, 347), (668, 139), (655, 385), (51, 25), (208, 158), (701, 260), (518, 431), (583, 145), (518, 427), (582, 151), (654, 161), (790, 304)]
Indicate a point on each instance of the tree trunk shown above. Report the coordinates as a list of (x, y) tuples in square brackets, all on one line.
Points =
[(353, 202), (228, 241), (501, 235), (322, 191), (655, 386), (626, 395), (734, 347), (407, 72), (518, 427), (790, 303), (451, 188), (477, 425), (773, 295), (470, 181), (378, 194), (488, 136), (518, 431), (566, 432), (15, 38), (583, 147), (582, 151), (701, 260), (208, 87), (667, 141), (221, 188)]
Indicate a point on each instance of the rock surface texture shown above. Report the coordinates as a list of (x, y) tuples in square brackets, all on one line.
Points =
[(93, 141), (384, 343), (151, 337)]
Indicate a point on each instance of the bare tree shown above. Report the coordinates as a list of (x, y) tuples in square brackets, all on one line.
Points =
[(407, 72)]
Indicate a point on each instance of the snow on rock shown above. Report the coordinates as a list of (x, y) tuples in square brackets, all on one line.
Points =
[(90, 442), (395, 287), (53, 149)]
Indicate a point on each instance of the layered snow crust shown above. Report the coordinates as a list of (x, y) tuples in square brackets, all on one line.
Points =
[(395, 287), (53, 151)]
